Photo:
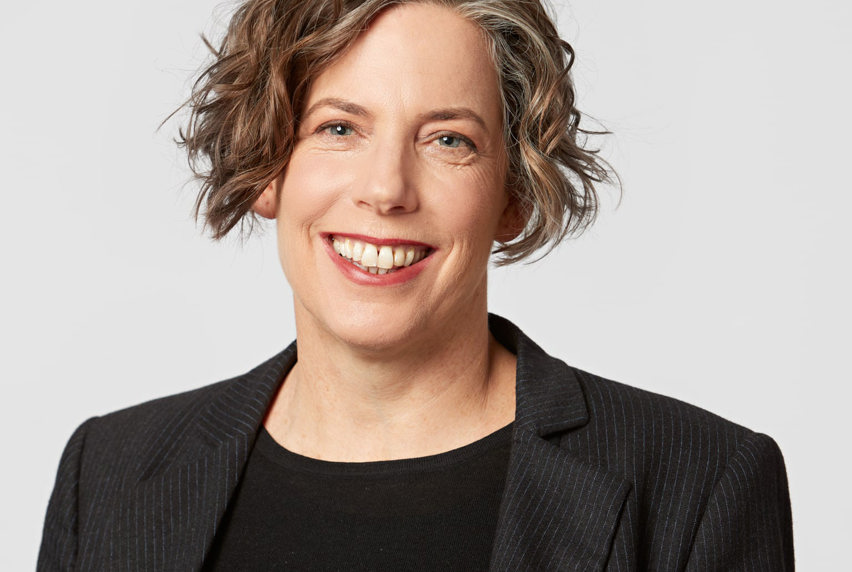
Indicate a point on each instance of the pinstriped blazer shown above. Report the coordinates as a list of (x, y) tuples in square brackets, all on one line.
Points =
[(601, 476)]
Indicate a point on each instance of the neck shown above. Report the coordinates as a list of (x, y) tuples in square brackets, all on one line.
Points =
[(350, 404)]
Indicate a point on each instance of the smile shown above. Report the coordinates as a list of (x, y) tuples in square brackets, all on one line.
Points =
[(378, 259)]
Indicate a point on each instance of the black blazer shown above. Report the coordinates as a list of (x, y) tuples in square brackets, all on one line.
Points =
[(601, 476)]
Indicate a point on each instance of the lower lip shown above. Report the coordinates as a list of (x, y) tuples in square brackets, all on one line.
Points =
[(355, 274)]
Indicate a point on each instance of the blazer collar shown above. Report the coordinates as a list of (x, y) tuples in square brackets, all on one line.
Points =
[(548, 395), (557, 512), (197, 467)]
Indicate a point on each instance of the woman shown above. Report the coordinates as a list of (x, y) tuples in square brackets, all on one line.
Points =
[(394, 143)]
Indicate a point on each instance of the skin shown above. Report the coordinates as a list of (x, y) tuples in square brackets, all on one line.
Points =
[(400, 139)]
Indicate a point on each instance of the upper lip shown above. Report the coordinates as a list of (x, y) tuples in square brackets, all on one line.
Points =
[(378, 241)]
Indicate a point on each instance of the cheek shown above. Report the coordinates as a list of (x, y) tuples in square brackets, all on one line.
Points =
[(471, 205), (308, 191)]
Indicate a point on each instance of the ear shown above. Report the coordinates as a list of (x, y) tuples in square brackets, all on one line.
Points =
[(266, 205), (512, 222)]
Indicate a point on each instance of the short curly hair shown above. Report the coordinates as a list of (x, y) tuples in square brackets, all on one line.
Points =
[(244, 109)]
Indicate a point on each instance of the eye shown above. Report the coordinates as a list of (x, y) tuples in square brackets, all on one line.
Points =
[(454, 141), (338, 129), (449, 141)]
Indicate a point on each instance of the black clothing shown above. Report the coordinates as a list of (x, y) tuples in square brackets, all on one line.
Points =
[(431, 513), (602, 476)]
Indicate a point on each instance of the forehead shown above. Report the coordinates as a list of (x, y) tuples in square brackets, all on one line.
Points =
[(416, 56)]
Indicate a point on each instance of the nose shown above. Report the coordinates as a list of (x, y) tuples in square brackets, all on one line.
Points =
[(387, 185)]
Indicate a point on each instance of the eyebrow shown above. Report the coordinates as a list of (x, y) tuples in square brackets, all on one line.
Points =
[(451, 113), (337, 103), (446, 114)]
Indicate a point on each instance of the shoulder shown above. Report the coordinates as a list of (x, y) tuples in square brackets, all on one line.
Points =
[(611, 416), (693, 476), (149, 436), (656, 430), (615, 406), (112, 452), (140, 422), (674, 454), (655, 442), (685, 472)]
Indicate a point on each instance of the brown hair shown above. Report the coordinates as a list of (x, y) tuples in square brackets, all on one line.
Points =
[(244, 109)]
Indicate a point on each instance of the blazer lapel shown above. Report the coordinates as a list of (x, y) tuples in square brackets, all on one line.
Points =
[(557, 512), (185, 489)]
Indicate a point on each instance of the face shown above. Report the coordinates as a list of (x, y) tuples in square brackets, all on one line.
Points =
[(395, 191)]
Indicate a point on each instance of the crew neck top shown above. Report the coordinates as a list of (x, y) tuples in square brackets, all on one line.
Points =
[(292, 512)]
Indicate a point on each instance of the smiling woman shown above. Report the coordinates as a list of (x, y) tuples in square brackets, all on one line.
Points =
[(395, 144), (395, 162)]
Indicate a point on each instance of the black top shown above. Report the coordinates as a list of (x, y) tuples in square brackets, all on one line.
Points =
[(292, 512), (601, 476)]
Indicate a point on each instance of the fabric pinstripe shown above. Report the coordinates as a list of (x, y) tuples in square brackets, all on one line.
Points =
[(601, 476)]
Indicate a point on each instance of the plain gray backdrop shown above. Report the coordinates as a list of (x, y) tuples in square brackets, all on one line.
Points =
[(722, 279)]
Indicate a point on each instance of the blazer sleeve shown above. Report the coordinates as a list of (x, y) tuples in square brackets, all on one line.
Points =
[(59, 539), (747, 524)]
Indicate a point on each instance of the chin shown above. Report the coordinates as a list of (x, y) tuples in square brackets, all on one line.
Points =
[(370, 329)]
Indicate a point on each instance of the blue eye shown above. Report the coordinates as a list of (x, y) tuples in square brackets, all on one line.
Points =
[(449, 141), (339, 129)]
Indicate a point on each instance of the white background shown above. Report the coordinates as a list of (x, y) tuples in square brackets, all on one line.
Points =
[(723, 278)]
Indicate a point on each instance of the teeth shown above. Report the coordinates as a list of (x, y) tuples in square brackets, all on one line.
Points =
[(385, 257), (370, 256), (377, 259), (357, 250), (399, 256)]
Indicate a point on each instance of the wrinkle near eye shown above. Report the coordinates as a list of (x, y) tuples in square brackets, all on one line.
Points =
[(453, 140), (452, 148)]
